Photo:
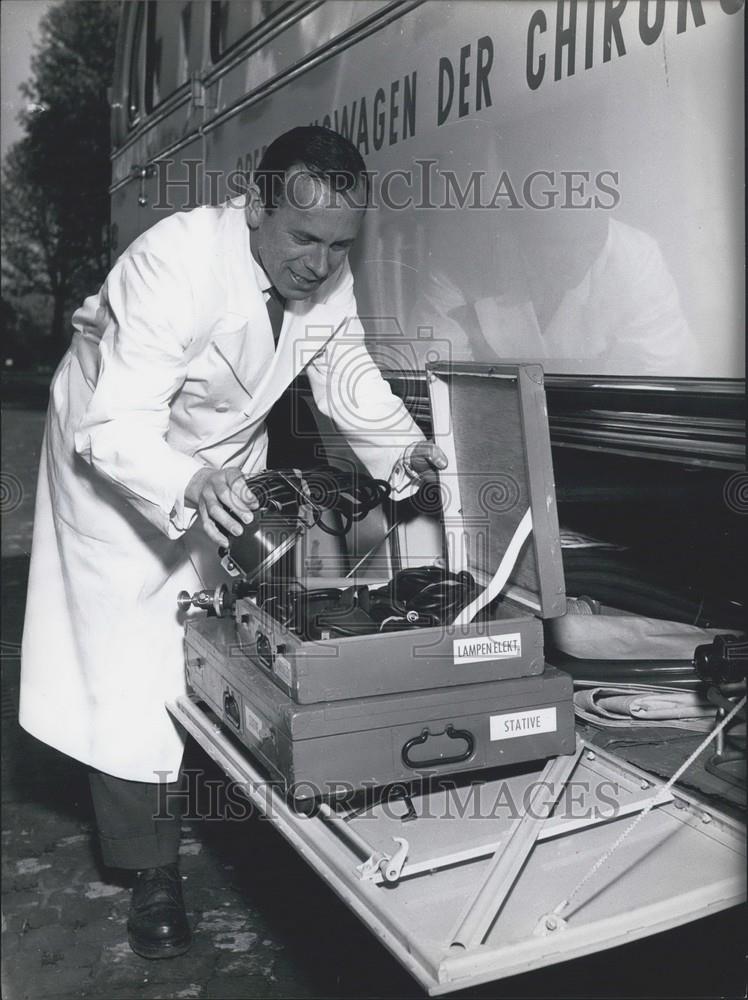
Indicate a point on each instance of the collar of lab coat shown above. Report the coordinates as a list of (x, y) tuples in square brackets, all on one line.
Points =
[(263, 282), (244, 335)]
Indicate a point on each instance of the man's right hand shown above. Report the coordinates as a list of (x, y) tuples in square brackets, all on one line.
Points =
[(223, 500)]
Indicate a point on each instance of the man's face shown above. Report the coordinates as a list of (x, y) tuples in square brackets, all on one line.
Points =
[(307, 237)]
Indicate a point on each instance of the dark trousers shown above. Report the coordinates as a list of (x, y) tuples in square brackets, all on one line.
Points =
[(138, 822)]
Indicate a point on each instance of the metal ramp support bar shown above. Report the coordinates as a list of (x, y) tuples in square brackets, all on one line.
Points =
[(553, 826), (551, 829), (507, 864)]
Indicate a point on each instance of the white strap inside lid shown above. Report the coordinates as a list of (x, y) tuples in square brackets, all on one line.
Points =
[(502, 574)]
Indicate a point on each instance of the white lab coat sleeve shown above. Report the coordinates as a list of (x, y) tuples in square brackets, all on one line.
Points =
[(350, 390), (142, 367)]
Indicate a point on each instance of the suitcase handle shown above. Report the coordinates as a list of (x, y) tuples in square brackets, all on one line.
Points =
[(453, 734), (264, 650), (231, 709)]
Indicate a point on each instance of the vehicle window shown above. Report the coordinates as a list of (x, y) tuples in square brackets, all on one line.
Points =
[(134, 93), (169, 26), (232, 20), (185, 36)]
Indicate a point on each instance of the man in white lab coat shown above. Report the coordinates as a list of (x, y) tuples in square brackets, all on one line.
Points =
[(157, 414)]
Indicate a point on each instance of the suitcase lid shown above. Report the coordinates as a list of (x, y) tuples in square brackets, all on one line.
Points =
[(491, 421)]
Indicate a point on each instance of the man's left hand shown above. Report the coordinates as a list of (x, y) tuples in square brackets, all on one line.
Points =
[(426, 458)]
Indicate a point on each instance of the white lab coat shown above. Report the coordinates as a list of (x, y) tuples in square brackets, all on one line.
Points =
[(172, 367)]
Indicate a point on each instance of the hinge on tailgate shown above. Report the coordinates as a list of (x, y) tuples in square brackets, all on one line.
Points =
[(389, 867)]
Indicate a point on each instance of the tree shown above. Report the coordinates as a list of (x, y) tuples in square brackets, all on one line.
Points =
[(55, 179), (34, 257)]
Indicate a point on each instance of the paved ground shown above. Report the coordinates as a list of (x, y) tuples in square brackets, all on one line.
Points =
[(265, 925)]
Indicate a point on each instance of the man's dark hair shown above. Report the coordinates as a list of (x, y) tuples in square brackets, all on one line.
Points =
[(322, 153)]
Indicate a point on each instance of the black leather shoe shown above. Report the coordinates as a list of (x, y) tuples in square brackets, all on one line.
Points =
[(157, 925)]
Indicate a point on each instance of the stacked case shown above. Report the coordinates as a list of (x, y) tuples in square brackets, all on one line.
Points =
[(367, 710)]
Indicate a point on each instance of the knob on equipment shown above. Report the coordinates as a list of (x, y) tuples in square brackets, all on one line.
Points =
[(216, 601), (723, 661)]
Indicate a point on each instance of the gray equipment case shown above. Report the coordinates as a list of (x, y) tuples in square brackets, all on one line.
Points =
[(335, 747), (386, 706)]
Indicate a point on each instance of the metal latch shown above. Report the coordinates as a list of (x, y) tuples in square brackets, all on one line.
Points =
[(143, 172), (389, 867)]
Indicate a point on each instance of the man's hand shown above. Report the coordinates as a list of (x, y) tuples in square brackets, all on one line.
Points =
[(223, 500), (425, 458)]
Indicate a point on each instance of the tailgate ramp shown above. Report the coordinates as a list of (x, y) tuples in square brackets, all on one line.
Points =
[(464, 882)]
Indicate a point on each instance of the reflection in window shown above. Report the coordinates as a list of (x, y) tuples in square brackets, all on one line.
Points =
[(231, 20), (578, 291), (540, 271), (133, 84), (185, 35), (169, 28)]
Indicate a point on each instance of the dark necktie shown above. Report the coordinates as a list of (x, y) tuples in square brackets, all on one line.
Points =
[(275, 305), (277, 422)]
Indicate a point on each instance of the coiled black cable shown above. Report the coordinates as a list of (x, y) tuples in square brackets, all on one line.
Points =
[(431, 592), (678, 674), (350, 494), (415, 598), (611, 579)]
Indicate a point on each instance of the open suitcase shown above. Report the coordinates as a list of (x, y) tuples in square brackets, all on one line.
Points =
[(472, 693)]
